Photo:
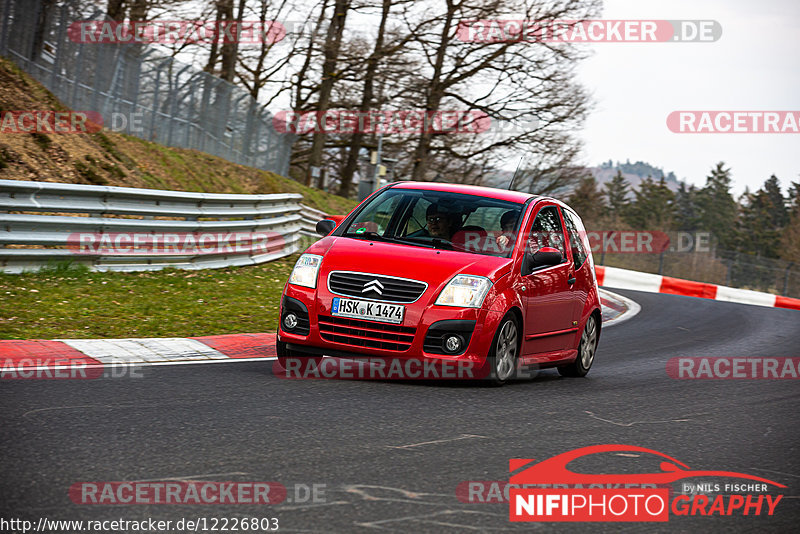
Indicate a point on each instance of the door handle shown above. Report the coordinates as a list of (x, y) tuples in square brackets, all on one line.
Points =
[(571, 280)]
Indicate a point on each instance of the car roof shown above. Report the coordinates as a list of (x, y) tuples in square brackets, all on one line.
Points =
[(488, 192)]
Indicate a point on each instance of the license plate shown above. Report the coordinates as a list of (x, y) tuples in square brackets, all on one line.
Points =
[(364, 309)]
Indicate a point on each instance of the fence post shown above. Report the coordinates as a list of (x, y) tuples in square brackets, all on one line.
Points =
[(728, 276), (80, 48), (248, 133), (155, 99), (190, 124), (174, 98), (6, 21), (54, 74)]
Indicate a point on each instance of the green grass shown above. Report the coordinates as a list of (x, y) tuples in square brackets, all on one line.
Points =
[(67, 301)]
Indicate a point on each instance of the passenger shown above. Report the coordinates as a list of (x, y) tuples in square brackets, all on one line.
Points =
[(507, 224)]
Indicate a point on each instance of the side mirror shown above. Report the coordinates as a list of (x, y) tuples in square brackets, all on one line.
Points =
[(545, 256), (325, 227)]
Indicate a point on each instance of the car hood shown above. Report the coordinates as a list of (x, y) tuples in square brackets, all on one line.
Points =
[(436, 267)]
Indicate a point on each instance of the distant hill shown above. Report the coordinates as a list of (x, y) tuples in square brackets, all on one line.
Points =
[(634, 173)]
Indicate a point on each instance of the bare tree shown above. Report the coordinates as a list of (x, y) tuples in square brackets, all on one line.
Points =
[(511, 81), (333, 41), (366, 101)]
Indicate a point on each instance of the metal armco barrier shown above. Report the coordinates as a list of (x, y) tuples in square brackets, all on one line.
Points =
[(128, 229)]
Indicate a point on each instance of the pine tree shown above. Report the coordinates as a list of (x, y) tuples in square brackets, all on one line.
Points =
[(794, 199), (780, 215), (790, 238), (756, 234), (587, 199), (617, 192), (718, 209), (653, 208), (686, 212)]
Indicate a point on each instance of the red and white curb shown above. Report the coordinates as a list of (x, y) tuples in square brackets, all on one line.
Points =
[(654, 283), (88, 354), (47, 356), (616, 308)]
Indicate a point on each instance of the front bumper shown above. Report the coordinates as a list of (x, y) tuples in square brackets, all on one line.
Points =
[(350, 338)]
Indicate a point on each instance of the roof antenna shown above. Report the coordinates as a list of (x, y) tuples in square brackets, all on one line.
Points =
[(519, 166)]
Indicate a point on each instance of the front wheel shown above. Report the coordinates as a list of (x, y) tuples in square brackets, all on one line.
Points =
[(586, 349), (503, 354)]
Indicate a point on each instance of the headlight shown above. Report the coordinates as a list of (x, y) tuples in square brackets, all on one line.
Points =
[(305, 271), (465, 291)]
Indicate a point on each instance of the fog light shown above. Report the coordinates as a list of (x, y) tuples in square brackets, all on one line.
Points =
[(290, 321), (453, 343)]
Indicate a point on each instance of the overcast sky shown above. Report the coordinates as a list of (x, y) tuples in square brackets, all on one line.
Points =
[(754, 66)]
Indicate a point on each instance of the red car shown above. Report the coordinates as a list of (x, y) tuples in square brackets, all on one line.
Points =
[(451, 273)]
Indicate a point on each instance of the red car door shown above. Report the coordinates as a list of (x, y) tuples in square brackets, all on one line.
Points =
[(579, 247), (547, 293)]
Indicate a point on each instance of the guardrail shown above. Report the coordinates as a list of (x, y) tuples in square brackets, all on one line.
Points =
[(128, 229)]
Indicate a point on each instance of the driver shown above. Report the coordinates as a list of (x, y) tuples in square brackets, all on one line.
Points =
[(441, 222)]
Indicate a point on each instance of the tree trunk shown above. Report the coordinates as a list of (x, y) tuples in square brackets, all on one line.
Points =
[(42, 23), (333, 41), (366, 103), (139, 9), (228, 49), (116, 10), (434, 97)]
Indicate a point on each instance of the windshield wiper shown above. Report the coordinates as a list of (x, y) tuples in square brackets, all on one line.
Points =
[(425, 242), (368, 235)]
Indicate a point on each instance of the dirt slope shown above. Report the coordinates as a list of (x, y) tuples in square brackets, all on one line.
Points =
[(108, 158)]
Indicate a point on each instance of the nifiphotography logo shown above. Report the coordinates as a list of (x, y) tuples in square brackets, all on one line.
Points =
[(549, 491)]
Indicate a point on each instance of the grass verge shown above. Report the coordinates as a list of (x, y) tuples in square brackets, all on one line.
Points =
[(67, 302)]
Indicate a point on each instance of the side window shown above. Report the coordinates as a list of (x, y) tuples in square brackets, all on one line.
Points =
[(547, 231), (576, 238)]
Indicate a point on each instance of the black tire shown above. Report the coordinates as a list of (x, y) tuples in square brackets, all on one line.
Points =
[(285, 356), (587, 347), (502, 358)]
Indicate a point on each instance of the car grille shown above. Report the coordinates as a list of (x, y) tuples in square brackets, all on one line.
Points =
[(366, 334), (394, 289)]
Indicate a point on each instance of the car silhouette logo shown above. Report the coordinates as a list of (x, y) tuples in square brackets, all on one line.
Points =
[(554, 470), (373, 285)]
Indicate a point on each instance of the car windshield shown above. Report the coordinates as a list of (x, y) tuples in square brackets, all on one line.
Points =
[(436, 219)]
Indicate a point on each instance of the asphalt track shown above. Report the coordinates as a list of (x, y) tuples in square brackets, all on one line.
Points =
[(392, 454)]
